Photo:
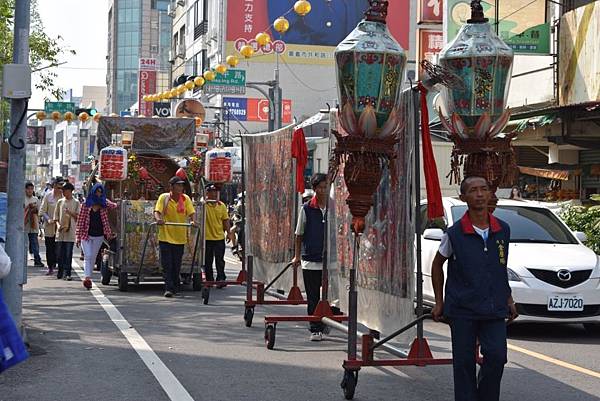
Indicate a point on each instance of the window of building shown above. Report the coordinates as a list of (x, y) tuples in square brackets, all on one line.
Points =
[(200, 18)]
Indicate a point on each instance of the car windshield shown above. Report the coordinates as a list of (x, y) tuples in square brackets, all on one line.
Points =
[(528, 224)]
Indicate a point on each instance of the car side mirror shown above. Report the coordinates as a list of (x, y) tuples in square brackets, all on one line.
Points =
[(434, 234), (581, 236)]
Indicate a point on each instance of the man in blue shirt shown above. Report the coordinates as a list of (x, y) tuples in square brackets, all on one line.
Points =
[(477, 298)]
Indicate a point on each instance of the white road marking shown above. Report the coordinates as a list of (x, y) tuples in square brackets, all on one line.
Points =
[(173, 387), (555, 361), (232, 261)]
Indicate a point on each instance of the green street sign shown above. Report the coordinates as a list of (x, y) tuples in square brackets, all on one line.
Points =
[(61, 107), (231, 78)]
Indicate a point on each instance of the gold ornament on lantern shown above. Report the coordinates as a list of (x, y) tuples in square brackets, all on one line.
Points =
[(232, 61), (263, 38), (173, 92), (56, 115), (221, 69), (281, 25), (40, 115), (97, 117), (209, 75), (166, 95), (247, 51), (302, 7), (83, 116), (199, 81), (69, 116), (189, 85), (198, 121), (181, 89)]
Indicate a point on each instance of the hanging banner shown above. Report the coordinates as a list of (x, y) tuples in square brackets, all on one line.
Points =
[(429, 43), (386, 261), (522, 25)]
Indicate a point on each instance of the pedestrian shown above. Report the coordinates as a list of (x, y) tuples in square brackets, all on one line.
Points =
[(92, 228), (477, 298), (515, 193), (32, 223), (66, 214), (310, 237), (216, 225), (173, 207), (47, 212)]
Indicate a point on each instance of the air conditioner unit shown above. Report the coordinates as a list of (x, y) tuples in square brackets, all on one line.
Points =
[(171, 10), (181, 51), (181, 2)]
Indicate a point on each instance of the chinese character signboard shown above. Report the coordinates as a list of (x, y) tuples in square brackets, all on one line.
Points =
[(429, 43), (522, 24), (146, 84), (430, 12), (311, 39)]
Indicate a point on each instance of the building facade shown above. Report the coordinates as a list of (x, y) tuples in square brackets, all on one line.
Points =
[(137, 29)]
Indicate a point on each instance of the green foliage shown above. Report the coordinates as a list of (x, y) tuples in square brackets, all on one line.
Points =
[(585, 219), (44, 51)]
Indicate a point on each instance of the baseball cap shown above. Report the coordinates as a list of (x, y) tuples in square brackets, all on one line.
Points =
[(176, 180), (57, 180), (211, 187)]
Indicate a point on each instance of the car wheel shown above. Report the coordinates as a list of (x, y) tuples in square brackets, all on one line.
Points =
[(592, 328)]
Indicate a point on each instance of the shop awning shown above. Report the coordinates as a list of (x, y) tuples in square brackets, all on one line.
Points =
[(545, 173), (536, 121)]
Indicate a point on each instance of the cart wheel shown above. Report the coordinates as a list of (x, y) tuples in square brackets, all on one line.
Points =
[(248, 316), (270, 336), (349, 383), (197, 281), (123, 281), (105, 273), (205, 294)]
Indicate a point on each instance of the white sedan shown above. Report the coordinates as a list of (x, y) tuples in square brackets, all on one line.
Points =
[(553, 276)]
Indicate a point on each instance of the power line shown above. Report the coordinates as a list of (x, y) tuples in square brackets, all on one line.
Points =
[(302, 82)]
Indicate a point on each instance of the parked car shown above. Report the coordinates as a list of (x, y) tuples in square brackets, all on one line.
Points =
[(554, 277)]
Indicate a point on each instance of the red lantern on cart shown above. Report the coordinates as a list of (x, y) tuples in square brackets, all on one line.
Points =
[(218, 168), (113, 164)]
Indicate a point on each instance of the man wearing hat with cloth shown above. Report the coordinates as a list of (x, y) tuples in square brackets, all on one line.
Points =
[(173, 207)]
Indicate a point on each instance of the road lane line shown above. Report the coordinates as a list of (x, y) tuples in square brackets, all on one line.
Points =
[(555, 361), (167, 380), (233, 261)]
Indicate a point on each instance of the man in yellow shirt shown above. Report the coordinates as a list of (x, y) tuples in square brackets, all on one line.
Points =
[(217, 224), (173, 207)]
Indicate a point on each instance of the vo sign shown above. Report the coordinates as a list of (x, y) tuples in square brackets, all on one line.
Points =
[(162, 109)]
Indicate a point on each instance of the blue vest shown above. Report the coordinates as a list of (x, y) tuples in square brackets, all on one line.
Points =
[(477, 284), (312, 240)]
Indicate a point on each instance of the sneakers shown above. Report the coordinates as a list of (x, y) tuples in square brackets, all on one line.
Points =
[(168, 294), (38, 264), (69, 278), (316, 336), (50, 272), (87, 283)]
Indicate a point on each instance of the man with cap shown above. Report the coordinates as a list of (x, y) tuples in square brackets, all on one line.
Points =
[(216, 225), (47, 212), (173, 207)]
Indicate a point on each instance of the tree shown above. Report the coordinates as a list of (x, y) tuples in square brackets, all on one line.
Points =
[(44, 51)]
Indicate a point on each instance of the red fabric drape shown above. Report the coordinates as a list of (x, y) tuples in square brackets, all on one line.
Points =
[(435, 208), (300, 153)]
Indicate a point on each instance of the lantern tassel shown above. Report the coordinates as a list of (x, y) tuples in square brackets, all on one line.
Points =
[(435, 207)]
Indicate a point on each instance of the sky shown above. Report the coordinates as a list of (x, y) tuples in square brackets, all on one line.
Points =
[(84, 28)]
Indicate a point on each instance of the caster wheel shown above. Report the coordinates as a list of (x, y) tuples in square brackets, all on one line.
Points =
[(123, 281), (197, 281), (349, 383), (248, 316), (270, 336), (106, 273), (205, 295)]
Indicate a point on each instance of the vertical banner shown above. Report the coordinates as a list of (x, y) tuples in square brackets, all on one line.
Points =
[(387, 254), (429, 43), (146, 85)]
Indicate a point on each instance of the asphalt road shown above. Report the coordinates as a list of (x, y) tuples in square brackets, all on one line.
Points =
[(79, 353)]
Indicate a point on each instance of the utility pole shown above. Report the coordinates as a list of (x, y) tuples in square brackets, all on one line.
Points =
[(12, 285)]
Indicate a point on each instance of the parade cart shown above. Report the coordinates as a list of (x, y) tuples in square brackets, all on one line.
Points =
[(153, 158)]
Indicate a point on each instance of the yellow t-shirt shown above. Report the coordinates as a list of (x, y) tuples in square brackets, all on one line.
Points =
[(216, 214), (173, 234)]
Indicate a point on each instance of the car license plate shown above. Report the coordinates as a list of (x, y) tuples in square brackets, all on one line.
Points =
[(565, 303)]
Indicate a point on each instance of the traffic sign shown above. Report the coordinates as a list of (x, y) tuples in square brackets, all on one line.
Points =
[(61, 107), (232, 82)]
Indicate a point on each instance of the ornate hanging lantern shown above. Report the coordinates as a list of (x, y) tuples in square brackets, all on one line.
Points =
[(370, 69), (477, 111)]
